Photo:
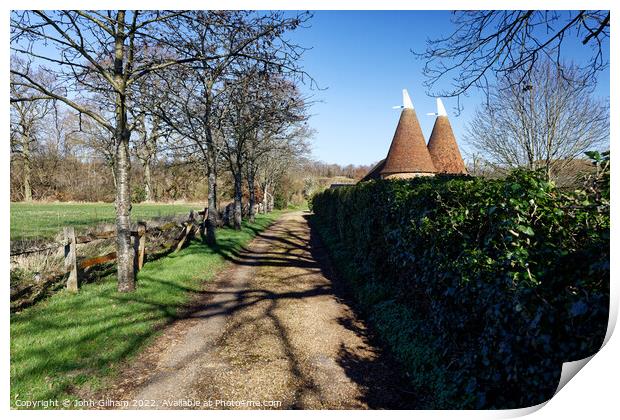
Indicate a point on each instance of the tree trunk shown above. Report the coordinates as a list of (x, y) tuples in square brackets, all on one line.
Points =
[(27, 172), (211, 220), (265, 198), (150, 146), (210, 237), (124, 251), (270, 205), (238, 196), (113, 168), (251, 213), (147, 180), (215, 196)]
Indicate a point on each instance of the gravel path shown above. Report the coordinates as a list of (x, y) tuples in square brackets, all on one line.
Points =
[(273, 331)]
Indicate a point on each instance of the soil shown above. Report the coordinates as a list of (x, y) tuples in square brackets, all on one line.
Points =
[(274, 330)]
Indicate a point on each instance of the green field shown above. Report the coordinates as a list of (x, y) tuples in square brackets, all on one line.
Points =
[(74, 341), (45, 220)]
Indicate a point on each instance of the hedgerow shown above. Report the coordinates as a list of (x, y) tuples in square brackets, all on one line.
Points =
[(481, 288)]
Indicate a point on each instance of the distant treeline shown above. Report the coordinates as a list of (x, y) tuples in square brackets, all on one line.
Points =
[(73, 170), (331, 170), (71, 178)]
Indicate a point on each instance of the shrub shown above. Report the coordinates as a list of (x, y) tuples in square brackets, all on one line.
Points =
[(481, 288), (138, 194)]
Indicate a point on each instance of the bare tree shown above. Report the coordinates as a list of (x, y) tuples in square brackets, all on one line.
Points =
[(260, 110), (149, 132), (279, 123), (290, 156), (96, 52), (243, 97), (542, 125), (223, 39), (491, 44), (26, 124), (99, 142)]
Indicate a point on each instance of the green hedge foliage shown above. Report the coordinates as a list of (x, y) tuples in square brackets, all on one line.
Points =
[(481, 288)]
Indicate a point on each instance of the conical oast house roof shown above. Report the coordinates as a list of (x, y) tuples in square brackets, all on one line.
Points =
[(443, 148), (408, 152)]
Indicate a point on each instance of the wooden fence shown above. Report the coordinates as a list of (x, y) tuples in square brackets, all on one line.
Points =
[(75, 266)]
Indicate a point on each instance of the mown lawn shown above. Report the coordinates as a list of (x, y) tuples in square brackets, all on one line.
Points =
[(75, 340), (45, 220)]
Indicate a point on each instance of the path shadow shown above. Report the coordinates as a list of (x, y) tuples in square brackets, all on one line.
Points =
[(381, 376), (378, 377), (224, 300)]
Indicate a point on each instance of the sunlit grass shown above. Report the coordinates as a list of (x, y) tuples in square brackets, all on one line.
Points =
[(32, 220), (299, 207), (73, 340)]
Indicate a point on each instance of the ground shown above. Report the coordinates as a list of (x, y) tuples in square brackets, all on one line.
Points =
[(275, 328), (69, 342)]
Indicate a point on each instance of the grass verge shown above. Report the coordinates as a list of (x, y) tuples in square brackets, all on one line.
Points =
[(71, 340)]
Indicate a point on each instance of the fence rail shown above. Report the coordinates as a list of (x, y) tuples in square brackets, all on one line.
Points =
[(75, 266)]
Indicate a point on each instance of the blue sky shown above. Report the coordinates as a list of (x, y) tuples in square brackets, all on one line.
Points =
[(363, 58)]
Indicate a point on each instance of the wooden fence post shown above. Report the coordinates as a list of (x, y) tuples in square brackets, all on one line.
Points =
[(203, 224), (184, 235), (71, 258), (139, 243)]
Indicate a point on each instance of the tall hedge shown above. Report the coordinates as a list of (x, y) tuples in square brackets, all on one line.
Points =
[(482, 288)]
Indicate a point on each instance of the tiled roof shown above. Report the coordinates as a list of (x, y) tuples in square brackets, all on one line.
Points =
[(408, 152), (443, 148)]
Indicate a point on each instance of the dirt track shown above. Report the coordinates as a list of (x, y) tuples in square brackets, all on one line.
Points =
[(272, 331)]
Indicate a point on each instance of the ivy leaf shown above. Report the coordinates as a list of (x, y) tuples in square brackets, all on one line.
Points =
[(526, 230)]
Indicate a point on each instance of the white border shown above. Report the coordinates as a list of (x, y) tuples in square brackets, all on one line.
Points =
[(592, 394)]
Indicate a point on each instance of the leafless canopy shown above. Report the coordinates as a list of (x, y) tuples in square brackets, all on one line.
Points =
[(547, 126), (78, 47), (495, 44), (166, 83), (97, 58)]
